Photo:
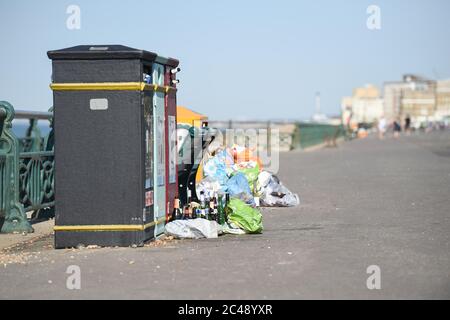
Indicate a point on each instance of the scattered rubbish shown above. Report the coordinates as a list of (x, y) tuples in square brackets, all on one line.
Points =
[(274, 193), (232, 228), (247, 218), (208, 185), (242, 154), (164, 240), (239, 188), (147, 78), (250, 170), (224, 170), (193, 229), (230, 188), (216, 168)]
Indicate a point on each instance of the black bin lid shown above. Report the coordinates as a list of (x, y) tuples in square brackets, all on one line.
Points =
[(101, 52)]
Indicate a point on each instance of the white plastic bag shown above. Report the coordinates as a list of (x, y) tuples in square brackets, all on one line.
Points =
[(232, 228), (193, 229), (274, 193), (208, 185)]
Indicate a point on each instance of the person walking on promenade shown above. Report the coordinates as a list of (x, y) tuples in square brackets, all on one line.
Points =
[(381, 127), (408, 125), (397, 129)]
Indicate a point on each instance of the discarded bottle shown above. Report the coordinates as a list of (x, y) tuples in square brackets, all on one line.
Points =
[(255, 194), (227, 202), (221, 209), (203, 208), (211, 207), (197, 213), (189, 196), (177, 214), (216, 209), (202, 199), (186, 213), (190, 211)]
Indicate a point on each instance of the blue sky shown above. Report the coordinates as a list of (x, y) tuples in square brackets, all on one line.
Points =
[(240, 59)]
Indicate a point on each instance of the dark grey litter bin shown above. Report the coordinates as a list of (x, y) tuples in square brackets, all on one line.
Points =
[(104, 145)]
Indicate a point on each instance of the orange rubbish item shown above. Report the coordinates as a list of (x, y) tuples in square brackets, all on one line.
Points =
[(246, 155)]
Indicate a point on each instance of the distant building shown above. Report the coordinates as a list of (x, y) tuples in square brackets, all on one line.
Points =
[(364, 106), (392, 99), (422, 99), (414, 96), (443, 100)]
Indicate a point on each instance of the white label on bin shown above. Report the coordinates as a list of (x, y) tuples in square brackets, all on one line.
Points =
[(98, 48), (98, 104)]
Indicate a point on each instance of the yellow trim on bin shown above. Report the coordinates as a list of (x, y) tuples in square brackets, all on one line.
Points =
[(110, 227), (116, 86), (139, 86)]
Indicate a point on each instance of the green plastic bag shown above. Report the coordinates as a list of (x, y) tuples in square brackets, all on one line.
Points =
[(246, 217), (251, 174)]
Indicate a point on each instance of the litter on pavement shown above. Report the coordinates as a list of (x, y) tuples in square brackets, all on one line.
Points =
[(230, 192), (193, 229)]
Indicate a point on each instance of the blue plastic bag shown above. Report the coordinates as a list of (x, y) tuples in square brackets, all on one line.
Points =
[(237, 187), (216, 169)]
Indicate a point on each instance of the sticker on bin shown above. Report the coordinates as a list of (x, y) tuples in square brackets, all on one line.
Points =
[(148, 198), (98, 48), (98, 104)]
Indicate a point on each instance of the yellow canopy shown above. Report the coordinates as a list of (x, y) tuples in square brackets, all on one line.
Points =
[(184, 115)]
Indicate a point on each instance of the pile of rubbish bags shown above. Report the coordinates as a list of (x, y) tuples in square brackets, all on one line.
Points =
[(241, 219), (237, 172)]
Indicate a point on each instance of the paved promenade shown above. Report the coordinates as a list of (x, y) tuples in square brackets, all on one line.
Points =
[(368, 202)]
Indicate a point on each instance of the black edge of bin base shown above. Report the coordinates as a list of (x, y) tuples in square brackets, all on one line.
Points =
[(73, 239)]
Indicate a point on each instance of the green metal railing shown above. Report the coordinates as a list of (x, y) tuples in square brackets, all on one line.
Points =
[(308, 135), (292, 134), (26, 171)]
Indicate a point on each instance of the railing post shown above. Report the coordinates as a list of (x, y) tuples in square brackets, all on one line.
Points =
[(2, 120), (49, 140), (48, 175), (33, 137), (12, 212)]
